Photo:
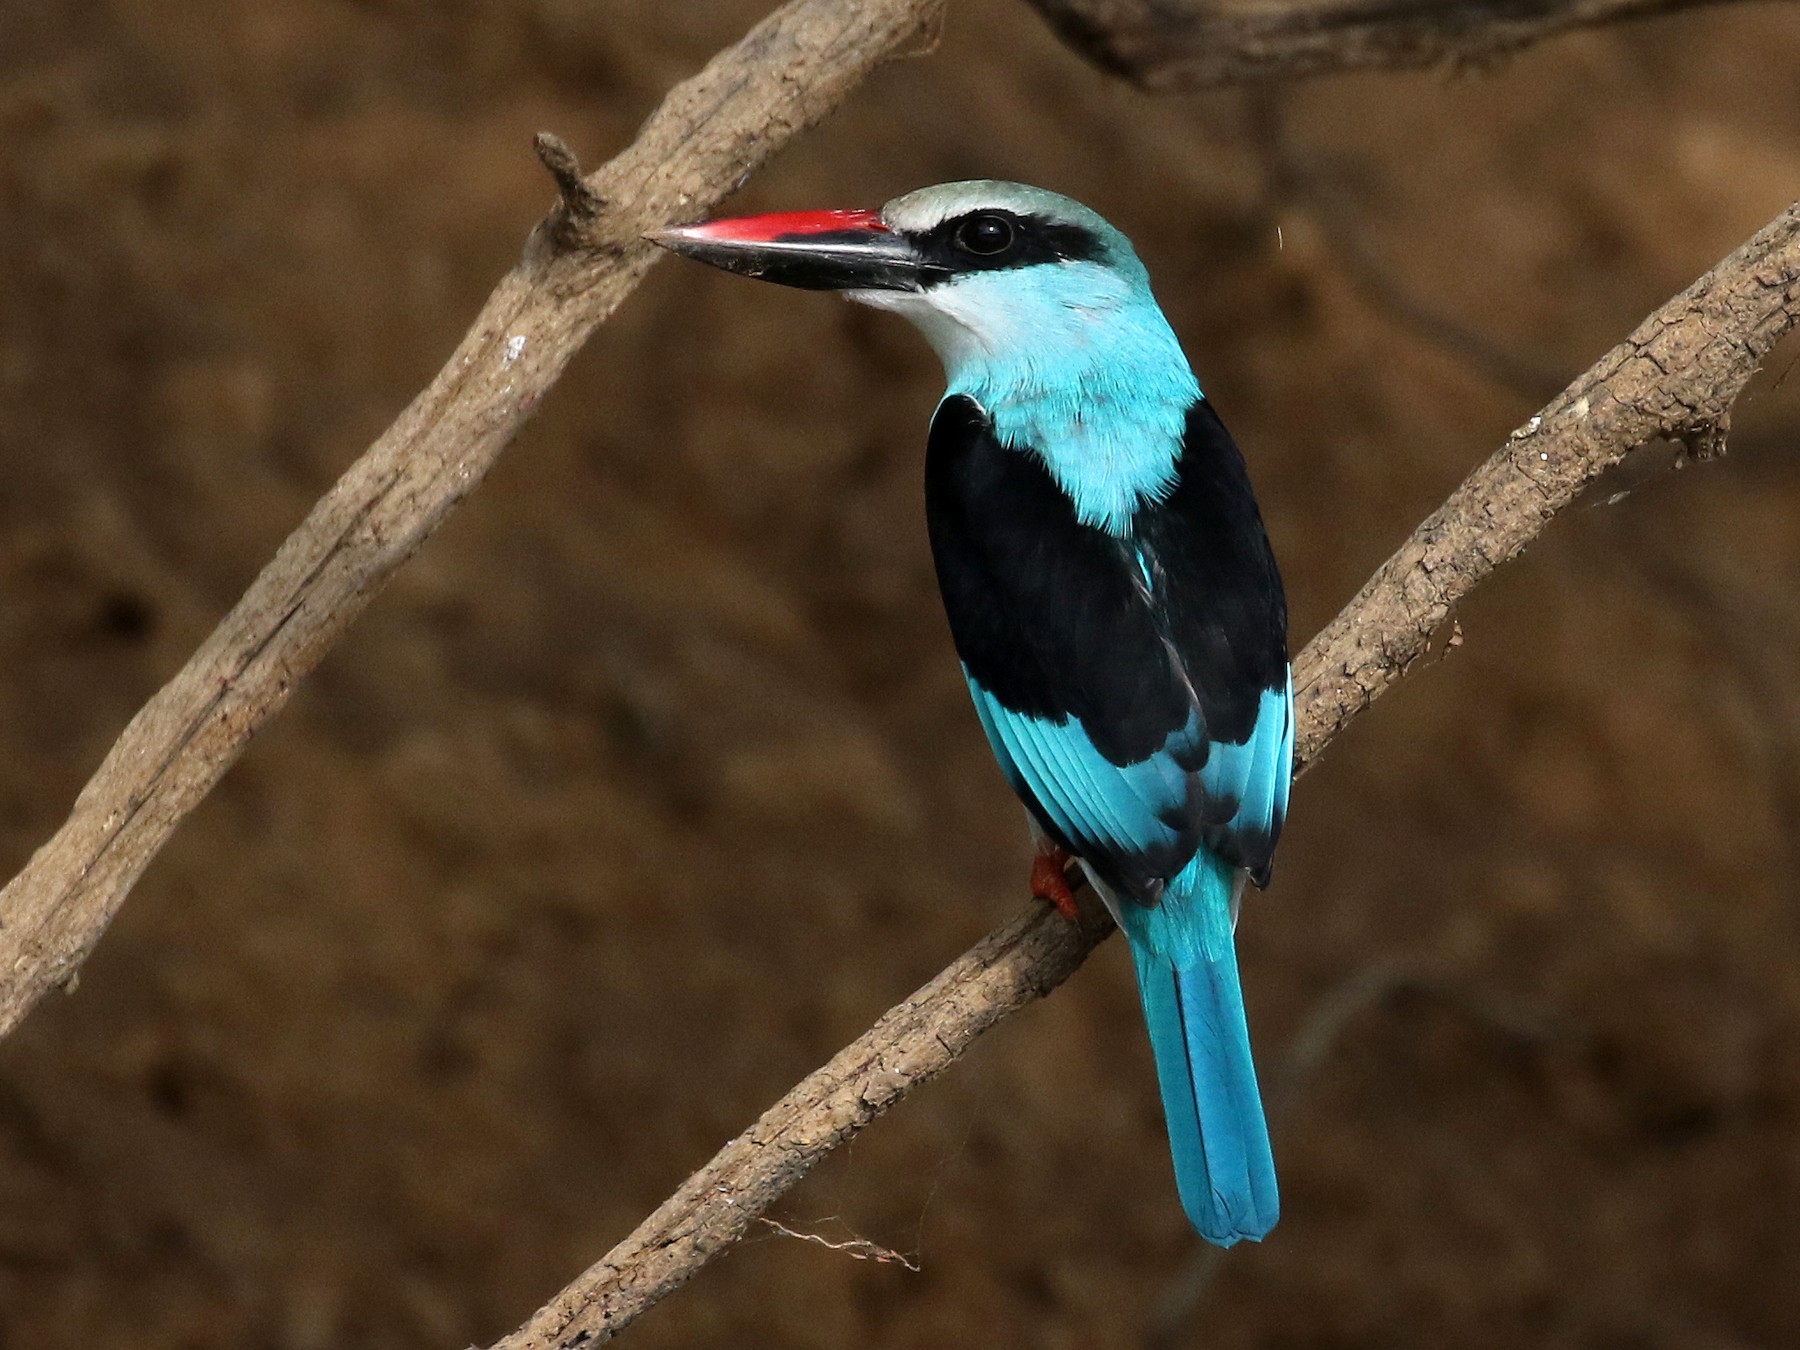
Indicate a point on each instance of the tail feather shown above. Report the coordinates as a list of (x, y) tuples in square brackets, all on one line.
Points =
[(1194, 1006)]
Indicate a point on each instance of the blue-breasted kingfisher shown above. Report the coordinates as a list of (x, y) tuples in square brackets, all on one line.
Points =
[(1112, 594)]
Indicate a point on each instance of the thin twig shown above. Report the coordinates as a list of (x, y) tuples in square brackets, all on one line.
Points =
[(1168, 45), (856, 1248), (709, 134), (911, 1044), (1676, 376)]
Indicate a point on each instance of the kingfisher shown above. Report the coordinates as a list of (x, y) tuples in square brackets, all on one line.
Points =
[(1111, 593)]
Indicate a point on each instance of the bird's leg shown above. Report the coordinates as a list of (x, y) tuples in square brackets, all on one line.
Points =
[(1049, 882)]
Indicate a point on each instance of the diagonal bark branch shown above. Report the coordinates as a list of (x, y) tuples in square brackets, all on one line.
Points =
[(913, 1042), (709, 134), (1677, 377), (1169, 45)]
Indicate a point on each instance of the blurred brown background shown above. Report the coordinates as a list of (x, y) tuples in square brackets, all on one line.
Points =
[(652, 780)]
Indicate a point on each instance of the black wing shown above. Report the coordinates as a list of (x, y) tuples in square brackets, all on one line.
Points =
[(1134, 688)]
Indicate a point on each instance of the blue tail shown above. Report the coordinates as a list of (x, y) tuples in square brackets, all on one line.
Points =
[(1188, 980)]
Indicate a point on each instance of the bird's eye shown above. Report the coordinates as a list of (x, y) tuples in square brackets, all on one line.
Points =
[(985, 236)]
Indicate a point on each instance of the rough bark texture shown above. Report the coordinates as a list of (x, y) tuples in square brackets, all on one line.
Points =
[(581, 261), (1676, 376), (1166, 45), (911, 1044)]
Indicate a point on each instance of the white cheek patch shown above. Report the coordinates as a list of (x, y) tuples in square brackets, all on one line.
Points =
[(948, 328), (1023, 316)]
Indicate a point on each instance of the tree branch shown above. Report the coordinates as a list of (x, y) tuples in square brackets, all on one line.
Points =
[(579, 263), (911, 1044), (1677, 377), (1169, 45)]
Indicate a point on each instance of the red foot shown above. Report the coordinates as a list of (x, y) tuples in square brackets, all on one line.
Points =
[(1049, 883)]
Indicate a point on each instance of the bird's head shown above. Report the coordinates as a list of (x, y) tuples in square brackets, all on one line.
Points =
[(994, 274)]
